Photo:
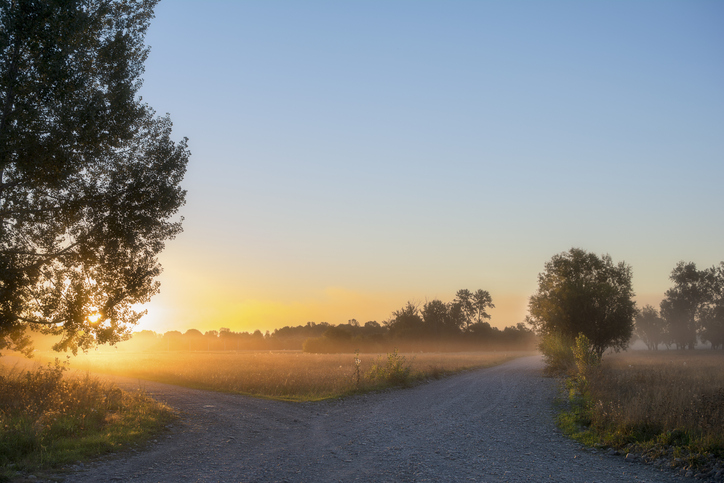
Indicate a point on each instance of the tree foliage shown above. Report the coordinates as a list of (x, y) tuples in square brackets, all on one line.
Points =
[(89, 176), (466, 314), (581, 293), (694, 306), (474, 307), (712, 311), (650, 328)]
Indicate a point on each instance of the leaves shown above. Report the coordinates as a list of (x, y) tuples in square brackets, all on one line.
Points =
[(580, 292), (89, 176)]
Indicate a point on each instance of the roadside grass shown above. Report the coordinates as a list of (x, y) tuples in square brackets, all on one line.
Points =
[(49, 418), (287, 375), (665, 407)]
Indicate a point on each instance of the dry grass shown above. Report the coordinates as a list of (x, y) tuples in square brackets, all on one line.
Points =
[(291, 375), (648, 393), (48, 418), (660, 404)]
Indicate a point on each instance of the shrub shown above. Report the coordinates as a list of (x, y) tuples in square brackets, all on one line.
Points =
[(48, 418), (558, 353), (395, 371)]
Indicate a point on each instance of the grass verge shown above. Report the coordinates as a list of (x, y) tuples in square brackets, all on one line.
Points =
[(49, 419), (664, 408)]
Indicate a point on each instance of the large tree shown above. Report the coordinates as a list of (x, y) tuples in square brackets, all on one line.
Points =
[(89, 176), (694, 306), (481, 302), (712, 313), (440, 318), (650, 328), (473, 306), (680, 309), (582, 293)]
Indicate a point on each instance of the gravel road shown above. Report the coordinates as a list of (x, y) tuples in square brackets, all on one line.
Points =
[(487, 425)]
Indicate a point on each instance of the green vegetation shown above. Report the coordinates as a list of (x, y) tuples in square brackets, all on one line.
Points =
[(582, 293), (557, 352), (394, 371), (666, 407), (49, 419)]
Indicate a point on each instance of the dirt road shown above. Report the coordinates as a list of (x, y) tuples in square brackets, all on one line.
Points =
[(488, 425)]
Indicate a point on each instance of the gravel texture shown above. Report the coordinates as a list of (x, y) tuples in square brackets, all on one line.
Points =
[(486, 425)]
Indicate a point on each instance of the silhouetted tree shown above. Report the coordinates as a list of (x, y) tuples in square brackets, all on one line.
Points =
[(581, 293), (712, 313), (473, 306), (482, 330), (172, 339), (337, 333), (89, 177), (438, 319), (649, 327), (194, 339), (464, 299), (481, 301), (695, 305), (406, 322), (680, 309)]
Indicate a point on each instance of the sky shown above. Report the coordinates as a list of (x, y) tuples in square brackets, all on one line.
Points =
[(350, 156)]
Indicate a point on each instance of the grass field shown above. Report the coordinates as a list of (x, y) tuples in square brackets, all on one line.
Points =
[(290, 375), (661, 404)]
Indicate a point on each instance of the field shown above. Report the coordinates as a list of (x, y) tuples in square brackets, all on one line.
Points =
[(664, 405), (290, 375)]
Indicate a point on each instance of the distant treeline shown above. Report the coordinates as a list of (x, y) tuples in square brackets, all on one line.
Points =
[(433, 326), (692, 311)]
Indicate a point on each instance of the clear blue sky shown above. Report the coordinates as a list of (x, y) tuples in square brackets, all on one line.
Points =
[(351, 155)]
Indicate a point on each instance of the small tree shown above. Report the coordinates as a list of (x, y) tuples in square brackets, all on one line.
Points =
[(581, 293)]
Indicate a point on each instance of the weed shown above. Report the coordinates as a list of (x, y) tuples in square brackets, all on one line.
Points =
[(357, 373)]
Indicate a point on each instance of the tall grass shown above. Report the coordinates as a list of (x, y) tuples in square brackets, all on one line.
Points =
[(662, 403), (291, 375), (48, 418)]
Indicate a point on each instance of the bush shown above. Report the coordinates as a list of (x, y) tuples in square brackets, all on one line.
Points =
[(395, 371), (47, 418), (558, 353), (585, 356)]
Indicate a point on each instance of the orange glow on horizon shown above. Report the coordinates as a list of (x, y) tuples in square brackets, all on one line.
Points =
[(333, 305)]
